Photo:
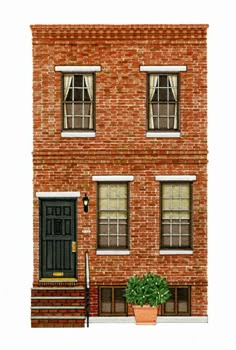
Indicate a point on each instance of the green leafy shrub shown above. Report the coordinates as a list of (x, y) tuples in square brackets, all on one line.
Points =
[(149, 289)]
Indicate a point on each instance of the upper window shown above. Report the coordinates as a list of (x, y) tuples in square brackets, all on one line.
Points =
[(113, 215), (176, 215), (163, 102), (78, 102)]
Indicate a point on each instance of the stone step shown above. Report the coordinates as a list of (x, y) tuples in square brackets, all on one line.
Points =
[(58, 306)]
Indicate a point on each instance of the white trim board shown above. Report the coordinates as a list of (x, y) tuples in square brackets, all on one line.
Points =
[(165, 69), (57, 194), (176, 252), (162, 134), (160, 319), (77, 134), (79, 69), (111, 178), (112, 252), (175, 178)]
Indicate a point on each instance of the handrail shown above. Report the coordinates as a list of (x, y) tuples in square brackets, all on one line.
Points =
[(87, 288)]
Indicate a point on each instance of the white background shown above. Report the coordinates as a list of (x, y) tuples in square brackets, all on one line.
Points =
[(16, 173)]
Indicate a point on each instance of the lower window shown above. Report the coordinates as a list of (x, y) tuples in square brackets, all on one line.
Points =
[(112, 301), (179, 302)]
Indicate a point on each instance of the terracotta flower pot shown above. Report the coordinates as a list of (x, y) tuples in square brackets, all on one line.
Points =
[(145, 314)]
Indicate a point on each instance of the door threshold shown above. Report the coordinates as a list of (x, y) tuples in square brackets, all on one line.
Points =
[(54, 279)]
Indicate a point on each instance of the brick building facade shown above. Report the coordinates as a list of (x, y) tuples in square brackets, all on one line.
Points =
[(120, 117)]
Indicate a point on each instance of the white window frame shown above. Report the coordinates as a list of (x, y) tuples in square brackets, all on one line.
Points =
[(171, 178), (78, 69), (112, 178), (162, 69)]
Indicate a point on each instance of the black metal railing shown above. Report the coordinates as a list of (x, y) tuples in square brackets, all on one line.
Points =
[(87, 288)]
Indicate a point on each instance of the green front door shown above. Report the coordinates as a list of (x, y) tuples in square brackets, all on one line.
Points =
[(58, 238)]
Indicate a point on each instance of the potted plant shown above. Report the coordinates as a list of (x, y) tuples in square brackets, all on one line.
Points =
[(145, 294)]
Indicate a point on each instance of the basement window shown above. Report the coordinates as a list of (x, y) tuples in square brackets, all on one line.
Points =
[(112, 301), (179, 302)]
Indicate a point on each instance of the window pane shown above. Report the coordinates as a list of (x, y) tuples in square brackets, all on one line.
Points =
[(166, 204), (185, 190), (122, 191), (120, 301), (103, 227), (103, 241), (175, 188), (68, 109), (182, 296), (184, 204), (103, 191), (112, 191), (69, 123), (69, 95), (78, 95), (122, 227), (113, 227), (162, 81), (103, 204), (163, 109), (162, 123), (113, 204), (172, 109), (78, 122), (185, 241), (165, 241), (169, 307), (78, 80), (123, 241), (165, 229), (166, 190), (78, 109), (106, 300)]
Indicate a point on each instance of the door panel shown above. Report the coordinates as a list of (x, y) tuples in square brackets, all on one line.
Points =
[(57, 232)]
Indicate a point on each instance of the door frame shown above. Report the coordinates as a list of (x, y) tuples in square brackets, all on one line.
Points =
[(51, 196)]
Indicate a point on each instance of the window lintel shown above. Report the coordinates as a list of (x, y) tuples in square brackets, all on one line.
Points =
[(77, 69), (165, 69), (175, 178)]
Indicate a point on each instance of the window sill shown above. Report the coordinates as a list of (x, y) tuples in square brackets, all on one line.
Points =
[(78, 134), (176, 252), (113, 252), (163, 134)]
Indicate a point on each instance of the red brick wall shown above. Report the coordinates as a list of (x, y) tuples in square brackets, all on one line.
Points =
[(120, 146)]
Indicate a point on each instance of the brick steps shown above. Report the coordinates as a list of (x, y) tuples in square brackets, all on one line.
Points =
[(57, 307)]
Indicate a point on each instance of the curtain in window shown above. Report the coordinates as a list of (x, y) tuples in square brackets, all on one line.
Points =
[(67, 84), (152, 87), (89, 84), (173, 84)]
